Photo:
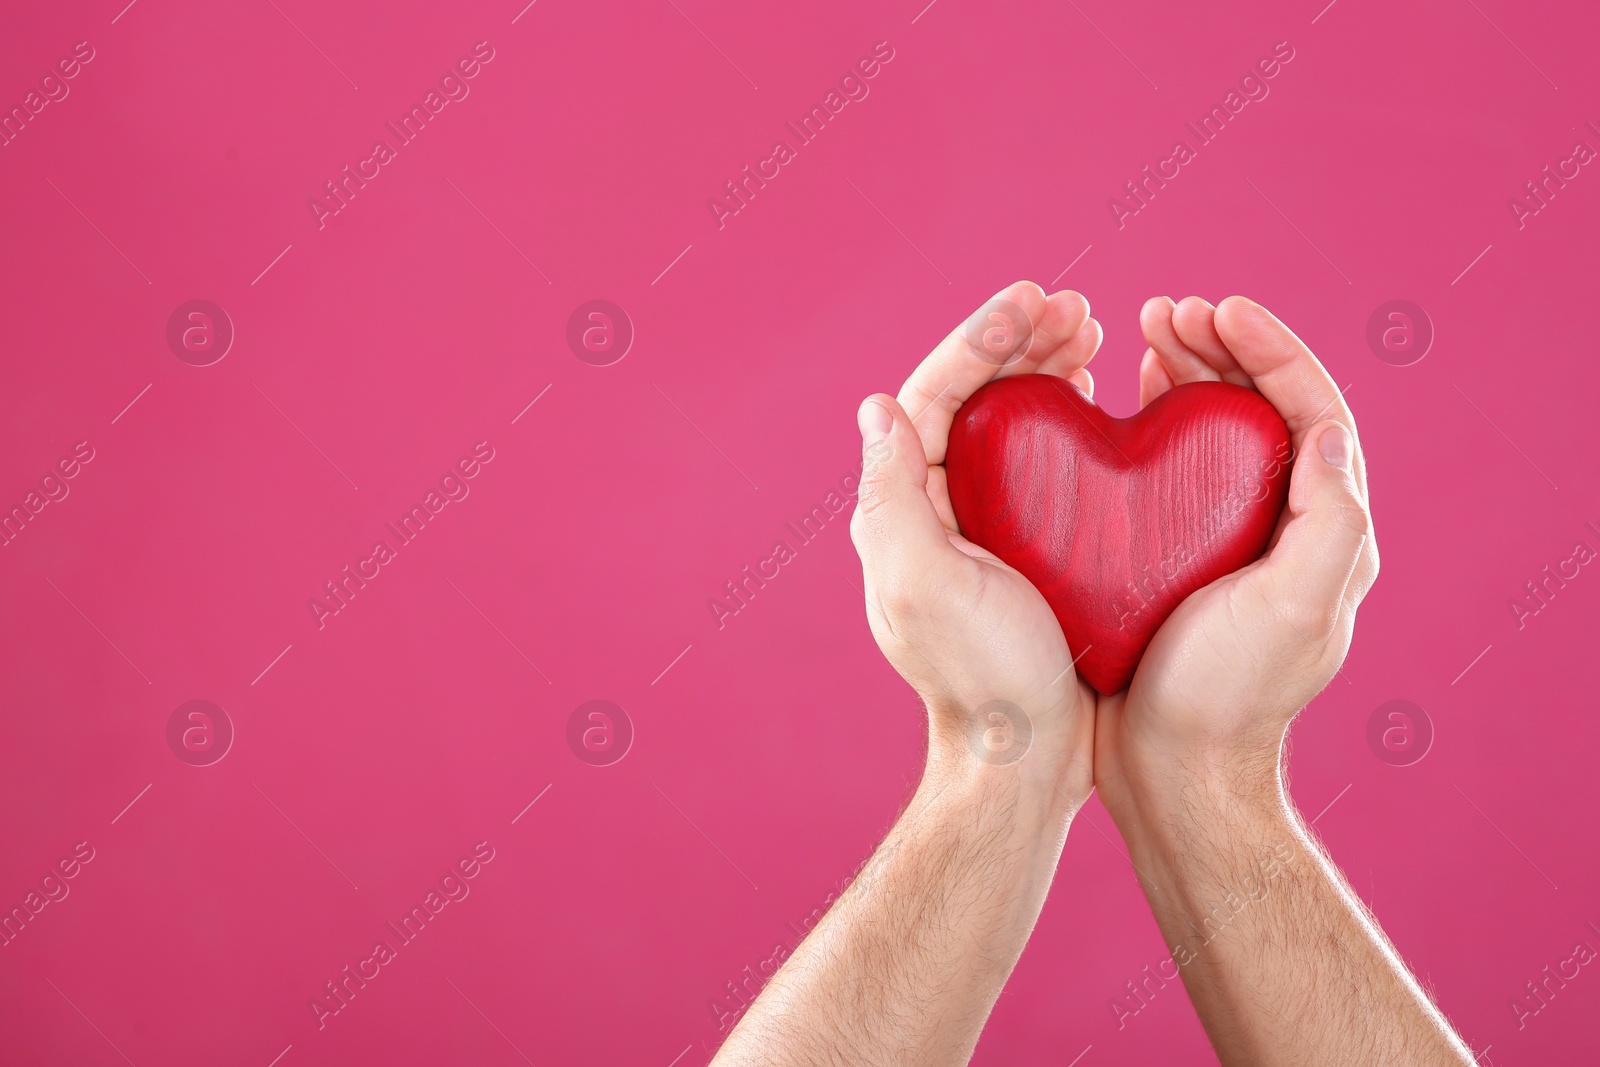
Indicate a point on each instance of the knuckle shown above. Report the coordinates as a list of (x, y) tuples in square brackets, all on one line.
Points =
[(875, 496), (1366, 573), (1324, 618), (1305, 615), (876, 490), (1349, 516), (900, 605), (1312, 617)]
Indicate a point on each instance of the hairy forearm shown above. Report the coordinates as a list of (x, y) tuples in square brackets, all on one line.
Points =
[(907, 964), (1281, 959)]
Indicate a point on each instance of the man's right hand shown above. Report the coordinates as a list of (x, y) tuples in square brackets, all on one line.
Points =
[(969, 633)]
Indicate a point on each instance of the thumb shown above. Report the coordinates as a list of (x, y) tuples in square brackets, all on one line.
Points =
[(895, 527), (1328, 527)]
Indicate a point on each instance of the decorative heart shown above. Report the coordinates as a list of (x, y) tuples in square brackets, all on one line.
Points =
[(1116, 521)]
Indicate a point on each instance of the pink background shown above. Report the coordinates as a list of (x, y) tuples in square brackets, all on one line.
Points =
[(770, 754)]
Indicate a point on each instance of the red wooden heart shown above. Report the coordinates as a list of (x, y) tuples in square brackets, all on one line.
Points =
[(1116, 521)]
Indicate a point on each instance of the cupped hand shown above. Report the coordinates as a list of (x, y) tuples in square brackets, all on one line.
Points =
[(1225, 674), (1223, 677), (971, 635)]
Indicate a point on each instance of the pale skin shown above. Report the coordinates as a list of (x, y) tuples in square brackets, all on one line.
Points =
[(1282, 961)]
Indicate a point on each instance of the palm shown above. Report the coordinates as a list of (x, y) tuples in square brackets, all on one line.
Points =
[(994, 608), (1183, 683), (1201, 677)]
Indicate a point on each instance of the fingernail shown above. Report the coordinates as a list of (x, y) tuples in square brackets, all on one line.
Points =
[(875, 422), (1334, 444)]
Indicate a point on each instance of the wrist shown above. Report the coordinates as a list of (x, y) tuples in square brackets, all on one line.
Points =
[(1201, 806), (1152, 781), (1045, 783), (1209, 855)]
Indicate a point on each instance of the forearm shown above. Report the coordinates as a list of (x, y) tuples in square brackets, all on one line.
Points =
[(1281, 959), (907, 964)]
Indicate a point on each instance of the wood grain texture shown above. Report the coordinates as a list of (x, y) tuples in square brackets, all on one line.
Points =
[(1116, 521)]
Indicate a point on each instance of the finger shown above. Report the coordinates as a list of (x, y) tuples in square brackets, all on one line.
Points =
[(1065, 314), (1153, 377), (972, 354), (1194, 320), (1286, 372), (939, 494), (1312, 570), (1074, 353), (1182, 363), (895, 527), (1083, 380)]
